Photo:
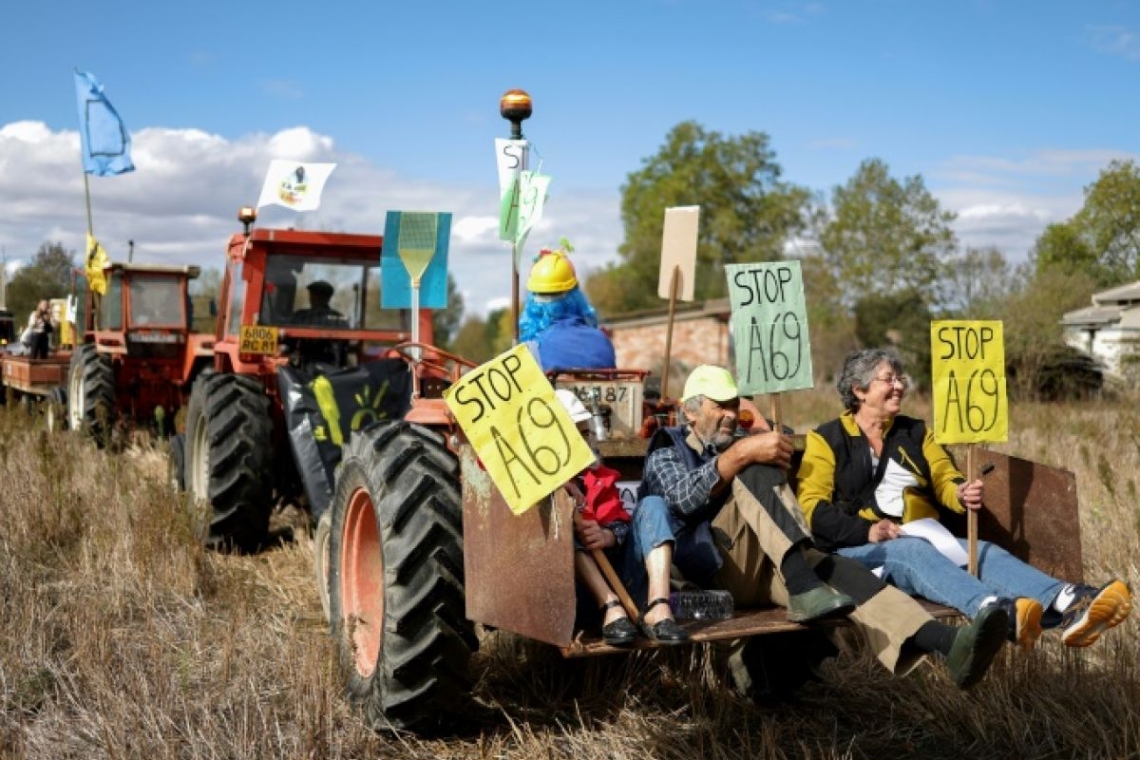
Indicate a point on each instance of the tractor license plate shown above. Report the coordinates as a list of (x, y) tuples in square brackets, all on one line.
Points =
[(256, 339), (622, 397)]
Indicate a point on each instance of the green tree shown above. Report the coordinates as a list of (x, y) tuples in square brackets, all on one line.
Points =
[(885, 237), (46, 276), (976, 284), (445, 322), (1103, 238), (747, 214), (900, 319), (831, 326), (1030, 322), (1061, 246), (479, 339), (471, 340)]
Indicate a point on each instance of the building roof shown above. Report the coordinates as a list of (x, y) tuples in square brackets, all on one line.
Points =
[(1092, 316), (717, 307), (1120, 295)]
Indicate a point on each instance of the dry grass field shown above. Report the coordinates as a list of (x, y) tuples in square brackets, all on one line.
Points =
[(121, 638)]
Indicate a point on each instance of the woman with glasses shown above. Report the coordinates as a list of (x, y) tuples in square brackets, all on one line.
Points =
[(872, 471)]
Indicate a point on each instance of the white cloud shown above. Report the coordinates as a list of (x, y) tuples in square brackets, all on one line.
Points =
[(1114, 40), (181, 203), (1007, 202)]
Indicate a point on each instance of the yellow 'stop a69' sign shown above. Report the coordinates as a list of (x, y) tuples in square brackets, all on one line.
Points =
[(520, 431), (968, 375)]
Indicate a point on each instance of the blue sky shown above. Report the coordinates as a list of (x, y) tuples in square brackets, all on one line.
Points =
[(1007, 109)]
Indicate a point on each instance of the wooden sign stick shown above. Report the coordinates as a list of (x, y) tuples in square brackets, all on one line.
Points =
[(616, 584), (674, 283), (971, 517)]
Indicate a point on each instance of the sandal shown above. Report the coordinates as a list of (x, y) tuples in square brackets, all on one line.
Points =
[(619, 633), (665, 630)]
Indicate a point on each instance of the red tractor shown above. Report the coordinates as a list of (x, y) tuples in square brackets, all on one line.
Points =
[(136, 356), (305, 359)]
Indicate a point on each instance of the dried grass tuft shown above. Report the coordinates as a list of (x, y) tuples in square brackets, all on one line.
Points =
[(120, 637)]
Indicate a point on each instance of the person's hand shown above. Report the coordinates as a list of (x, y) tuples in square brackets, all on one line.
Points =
[(591, 535), (768, 448), (883, 530), (970, 494)]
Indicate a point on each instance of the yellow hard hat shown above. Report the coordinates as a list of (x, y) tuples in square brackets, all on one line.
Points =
[(552, 273)]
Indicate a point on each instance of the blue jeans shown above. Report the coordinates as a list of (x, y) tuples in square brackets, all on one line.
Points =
[(652, 525), (916, 567)]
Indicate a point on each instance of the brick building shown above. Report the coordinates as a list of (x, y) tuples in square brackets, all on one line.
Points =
[(700, 336)]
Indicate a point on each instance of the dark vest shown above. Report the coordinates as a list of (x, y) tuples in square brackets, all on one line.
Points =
[(855, 482), (694, 552)]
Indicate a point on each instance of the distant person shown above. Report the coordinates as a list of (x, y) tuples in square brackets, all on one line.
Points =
[(557, 323), (872, 471), (39, 331), (320, 312)]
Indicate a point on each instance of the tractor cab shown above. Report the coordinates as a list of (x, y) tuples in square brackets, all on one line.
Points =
[(145, 311), (310, 301)]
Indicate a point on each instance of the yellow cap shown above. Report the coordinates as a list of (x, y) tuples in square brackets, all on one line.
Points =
[(710, 381), (552, 273)]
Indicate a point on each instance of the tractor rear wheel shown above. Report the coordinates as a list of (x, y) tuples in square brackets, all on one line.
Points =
[(91, 393), (228, 458), (396, 589)]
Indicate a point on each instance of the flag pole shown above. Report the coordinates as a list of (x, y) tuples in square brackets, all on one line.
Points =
[(87, 201), (515, 106), (674, 284)]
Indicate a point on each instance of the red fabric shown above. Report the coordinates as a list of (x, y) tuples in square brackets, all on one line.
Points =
[(603, 502)]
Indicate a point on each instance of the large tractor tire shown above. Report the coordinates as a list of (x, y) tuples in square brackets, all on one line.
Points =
[(91, 393), (176, 463), (55, 410), (229, 457), (396, 579), (321, 541)]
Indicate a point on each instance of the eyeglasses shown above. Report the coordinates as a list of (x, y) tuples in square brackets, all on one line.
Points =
[(901, 381)]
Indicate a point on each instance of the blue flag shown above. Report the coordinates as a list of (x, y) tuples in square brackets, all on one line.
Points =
[(104, 141)]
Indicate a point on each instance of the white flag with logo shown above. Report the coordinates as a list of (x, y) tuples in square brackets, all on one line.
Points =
[(294, 184)]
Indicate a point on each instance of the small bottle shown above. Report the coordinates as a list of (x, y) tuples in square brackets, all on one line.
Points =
[(701, 605)]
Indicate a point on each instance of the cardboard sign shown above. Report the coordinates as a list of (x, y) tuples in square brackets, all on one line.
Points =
[(679, 251), (968, 372), (521, 433), (769, 327), (511, 158), (522, 207)]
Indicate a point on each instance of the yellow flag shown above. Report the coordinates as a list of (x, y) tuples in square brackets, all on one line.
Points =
[(97, 259)]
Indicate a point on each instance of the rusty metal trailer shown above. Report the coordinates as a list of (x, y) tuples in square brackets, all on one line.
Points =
[(28, 382)]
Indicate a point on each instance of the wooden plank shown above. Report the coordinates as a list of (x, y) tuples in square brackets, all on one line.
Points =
[(753, 622)]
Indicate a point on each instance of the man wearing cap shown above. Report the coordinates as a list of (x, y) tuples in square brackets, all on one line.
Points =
[(557, 323), (728, 492), (319, 311)]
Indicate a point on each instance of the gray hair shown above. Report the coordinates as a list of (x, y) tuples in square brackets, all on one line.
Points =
[(693, 405), (859, 370)]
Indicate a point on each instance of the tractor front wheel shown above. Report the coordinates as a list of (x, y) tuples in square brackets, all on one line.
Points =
[(229, 458), (90, 393), (395, 576)]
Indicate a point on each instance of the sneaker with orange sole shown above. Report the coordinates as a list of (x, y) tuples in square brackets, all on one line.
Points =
[(1025, 621), (1094, 611)]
